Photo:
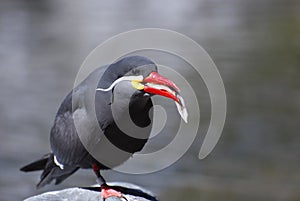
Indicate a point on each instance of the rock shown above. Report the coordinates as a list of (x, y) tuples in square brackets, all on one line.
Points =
[(130, 191)]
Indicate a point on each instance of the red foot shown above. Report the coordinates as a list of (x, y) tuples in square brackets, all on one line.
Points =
[(107, 192)]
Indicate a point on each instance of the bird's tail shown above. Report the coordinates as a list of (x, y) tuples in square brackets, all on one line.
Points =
[(37, 165), (50, 170)]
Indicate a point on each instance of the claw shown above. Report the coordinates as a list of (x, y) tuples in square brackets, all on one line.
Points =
[(107, 192)]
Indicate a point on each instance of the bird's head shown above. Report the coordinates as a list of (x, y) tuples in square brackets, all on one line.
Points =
[(143, 75)]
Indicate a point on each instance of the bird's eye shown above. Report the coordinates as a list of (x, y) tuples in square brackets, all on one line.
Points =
[(134, 72)]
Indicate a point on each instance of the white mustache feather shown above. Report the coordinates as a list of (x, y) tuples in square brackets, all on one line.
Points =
[(125, 78)]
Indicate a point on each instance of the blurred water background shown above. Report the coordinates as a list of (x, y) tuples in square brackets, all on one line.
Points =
[(255, 44)]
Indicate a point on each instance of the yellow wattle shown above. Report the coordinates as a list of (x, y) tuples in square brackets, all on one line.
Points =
[(137, 85)]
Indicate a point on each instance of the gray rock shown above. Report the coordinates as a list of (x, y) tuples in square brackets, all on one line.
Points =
[(133, 193)]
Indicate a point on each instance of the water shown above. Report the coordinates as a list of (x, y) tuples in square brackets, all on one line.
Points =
[(255, 45)]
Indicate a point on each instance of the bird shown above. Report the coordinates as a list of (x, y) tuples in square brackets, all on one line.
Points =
[(109, 114)]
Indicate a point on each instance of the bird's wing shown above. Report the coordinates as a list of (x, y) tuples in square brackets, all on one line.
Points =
[(76, 122), (65, 143)]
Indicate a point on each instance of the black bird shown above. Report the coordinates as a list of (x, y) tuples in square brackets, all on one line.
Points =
[(104, 120)]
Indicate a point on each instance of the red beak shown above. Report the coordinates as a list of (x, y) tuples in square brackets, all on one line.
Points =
[(157, 79)]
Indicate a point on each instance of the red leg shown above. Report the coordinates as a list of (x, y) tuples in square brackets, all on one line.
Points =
[(100, 179), (106, 191)]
